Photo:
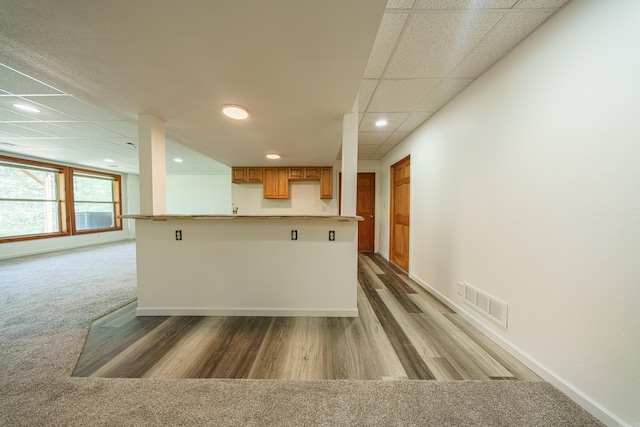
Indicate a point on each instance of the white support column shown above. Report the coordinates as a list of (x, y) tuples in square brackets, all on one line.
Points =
[(349, 161), (151, 161)]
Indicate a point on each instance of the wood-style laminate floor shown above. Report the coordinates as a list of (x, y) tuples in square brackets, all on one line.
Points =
[(402, 332)]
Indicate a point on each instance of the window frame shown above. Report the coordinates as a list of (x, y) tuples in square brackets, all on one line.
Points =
[(62, 187), (66, 202), (117, 201)]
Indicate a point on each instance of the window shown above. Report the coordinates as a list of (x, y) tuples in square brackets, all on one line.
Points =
[(96, 201), (31, 199), (40, 200)]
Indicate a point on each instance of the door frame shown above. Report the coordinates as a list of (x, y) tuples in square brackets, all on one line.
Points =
[(392, 190), (375, 204)]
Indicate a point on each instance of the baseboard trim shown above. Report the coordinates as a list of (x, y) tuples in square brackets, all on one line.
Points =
[(589, 404), (254, 312), (60, 248)]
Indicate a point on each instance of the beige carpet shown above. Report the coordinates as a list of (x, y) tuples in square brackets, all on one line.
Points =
[(48, 301)]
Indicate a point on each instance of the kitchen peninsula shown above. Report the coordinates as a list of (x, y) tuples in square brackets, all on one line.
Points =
[(246, 265)]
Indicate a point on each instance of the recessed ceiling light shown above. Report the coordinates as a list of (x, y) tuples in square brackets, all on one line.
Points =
[(237, 112), (273, 156), (177, 160), (381, 123), (109, 160), (26, 108)]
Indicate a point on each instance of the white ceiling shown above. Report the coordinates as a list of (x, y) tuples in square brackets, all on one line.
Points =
[(92, 67), (427, 51), (69, 130)]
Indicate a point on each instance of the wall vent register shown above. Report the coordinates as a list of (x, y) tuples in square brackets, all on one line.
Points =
[(495, 309)]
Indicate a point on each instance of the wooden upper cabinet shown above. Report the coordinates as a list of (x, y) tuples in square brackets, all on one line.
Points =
[(296, 174), (275, 183), (239, 175), (312, 174), (243, 175), (326, 183), (254, 174), (304, 174)]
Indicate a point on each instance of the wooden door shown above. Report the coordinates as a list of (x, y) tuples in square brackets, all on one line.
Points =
[(400, 203), (366, 208)]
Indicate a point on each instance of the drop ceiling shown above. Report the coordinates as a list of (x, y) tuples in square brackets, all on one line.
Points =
[(92, 67)]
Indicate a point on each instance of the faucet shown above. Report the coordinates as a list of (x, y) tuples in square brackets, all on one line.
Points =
[(234, 207)]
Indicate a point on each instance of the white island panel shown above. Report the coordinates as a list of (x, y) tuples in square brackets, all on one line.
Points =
[(247, 268)]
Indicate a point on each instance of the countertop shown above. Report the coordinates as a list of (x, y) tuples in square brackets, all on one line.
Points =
[(241, 217)]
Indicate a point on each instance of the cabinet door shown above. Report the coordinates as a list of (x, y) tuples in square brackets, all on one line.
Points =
[(269, 183), (275, 183), (282, 183), (254, 174), (326, 183), (238, 175), (312, 174), (296, 174)]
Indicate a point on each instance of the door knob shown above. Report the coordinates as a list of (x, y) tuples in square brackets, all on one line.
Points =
[(371, 216)]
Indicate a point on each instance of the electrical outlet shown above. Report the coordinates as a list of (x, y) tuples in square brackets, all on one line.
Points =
[(460, 288), (178, 234), (332, 235), (294, 234)]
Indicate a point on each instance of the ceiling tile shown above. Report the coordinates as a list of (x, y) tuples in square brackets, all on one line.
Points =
[(19, 84), (122, 142), (45, 113), (79, 143), (367, 149), (434, 43), (20, 132), (367, 86), (396, 138), (400, 95), (375, 156), (73, 107), (538, 4), (7, 115), (4, 134), (385, 42), (505, 36), (466, 4), (121, 127), (384, 148), (88, 129), (445, 92), (414, 120), (194, 163), (49, 129), (394, 120), (400, 4), (372, 138)]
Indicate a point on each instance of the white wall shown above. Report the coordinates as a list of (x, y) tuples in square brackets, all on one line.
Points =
[(304, 199), (131, 198), (527, 186), (198, 194)]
